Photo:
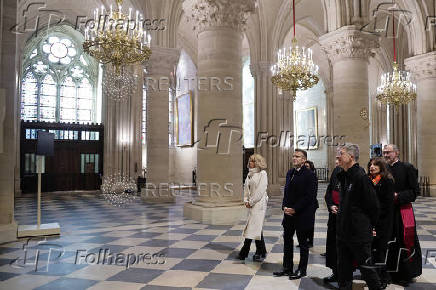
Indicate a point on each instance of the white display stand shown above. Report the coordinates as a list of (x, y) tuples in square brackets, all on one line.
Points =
[(39, 229)]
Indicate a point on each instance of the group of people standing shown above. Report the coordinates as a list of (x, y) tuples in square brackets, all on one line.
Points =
[(371, 223)]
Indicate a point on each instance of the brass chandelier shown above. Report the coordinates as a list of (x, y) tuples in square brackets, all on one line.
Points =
[(294, 69), (396, 87), (114, 37)]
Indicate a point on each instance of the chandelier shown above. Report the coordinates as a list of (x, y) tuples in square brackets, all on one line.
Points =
[(294, 69), (117, 38), (119, 86), (396, 87), (119, 190)]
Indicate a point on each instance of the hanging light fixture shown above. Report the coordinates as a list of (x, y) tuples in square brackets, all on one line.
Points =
[(294, 69), (396, 87), (119, 86), (117, 38)]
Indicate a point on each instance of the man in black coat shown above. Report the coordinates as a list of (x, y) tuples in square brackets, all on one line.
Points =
[(406, 189), (332, 201), (299, 203), (356, 218)]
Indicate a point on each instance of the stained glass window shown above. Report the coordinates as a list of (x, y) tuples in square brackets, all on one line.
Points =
[(29, 104), (59, 81), (47, 99)]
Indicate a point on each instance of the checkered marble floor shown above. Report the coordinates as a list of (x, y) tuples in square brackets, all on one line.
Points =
[(187, 254)]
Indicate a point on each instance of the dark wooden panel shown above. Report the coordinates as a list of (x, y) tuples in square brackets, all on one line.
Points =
[(63, 170)]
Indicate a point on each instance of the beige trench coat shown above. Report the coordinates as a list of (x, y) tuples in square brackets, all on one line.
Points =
[(255, 193)]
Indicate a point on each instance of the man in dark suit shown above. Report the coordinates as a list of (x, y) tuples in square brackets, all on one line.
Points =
[(356, 217), (299, 203)]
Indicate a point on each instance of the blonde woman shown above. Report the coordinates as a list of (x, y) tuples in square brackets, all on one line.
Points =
[(255, 199)]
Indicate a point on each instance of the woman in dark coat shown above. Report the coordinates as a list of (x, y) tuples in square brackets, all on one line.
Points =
[(332, 201), (384, 186)]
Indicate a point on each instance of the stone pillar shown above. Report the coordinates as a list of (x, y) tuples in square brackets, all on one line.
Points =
[(274, 126), (122, 131), (423, 70), (219, 24), (160, 65), (8, 120), (348, 50)]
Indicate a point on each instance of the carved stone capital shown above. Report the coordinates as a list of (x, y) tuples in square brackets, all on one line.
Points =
[(349, 42), (261, 68), (422, 66), (207, 14), (162, 61)]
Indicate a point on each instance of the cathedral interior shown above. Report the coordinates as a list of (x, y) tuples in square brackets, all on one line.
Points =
[(126, 128)]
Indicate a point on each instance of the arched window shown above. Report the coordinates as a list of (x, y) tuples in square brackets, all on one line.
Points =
[(248, 105), (59, 83)]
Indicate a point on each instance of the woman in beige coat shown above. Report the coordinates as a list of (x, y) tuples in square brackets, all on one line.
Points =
[(255, 199)]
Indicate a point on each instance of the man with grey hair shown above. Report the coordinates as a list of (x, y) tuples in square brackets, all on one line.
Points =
[(404, 256), (356, 218)]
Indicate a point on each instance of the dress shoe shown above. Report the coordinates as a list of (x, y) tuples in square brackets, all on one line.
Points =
[(331, 278), (283, 272), (403, 283), (310, 245), (297, 275), (258, 257), (323, 254), (240, 257)]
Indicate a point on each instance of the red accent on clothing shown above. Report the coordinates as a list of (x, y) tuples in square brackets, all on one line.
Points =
[(376, 179), (408, 225), (335, 196)]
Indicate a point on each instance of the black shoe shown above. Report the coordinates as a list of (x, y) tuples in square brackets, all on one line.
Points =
[(310, 245), (383, 285), (403, 283), (283, 272), (258, 257), (240, 257), (297, 246), (331, 278), (297, 275), (323, 254)]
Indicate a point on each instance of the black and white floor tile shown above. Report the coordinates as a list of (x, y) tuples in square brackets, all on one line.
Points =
[(170, 252)]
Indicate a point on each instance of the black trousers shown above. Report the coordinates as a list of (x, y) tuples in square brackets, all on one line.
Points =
[(260, 247), (331, 260), (360, 252), (288, 247)]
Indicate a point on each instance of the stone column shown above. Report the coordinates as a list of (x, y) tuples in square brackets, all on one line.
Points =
[(423, 70), (122, 131), (219, 24), (8, 120), (274, 126), (160, 65), (348, 50)]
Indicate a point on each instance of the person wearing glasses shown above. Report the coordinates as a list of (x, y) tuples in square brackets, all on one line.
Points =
[(356, 217), (406, 189)]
